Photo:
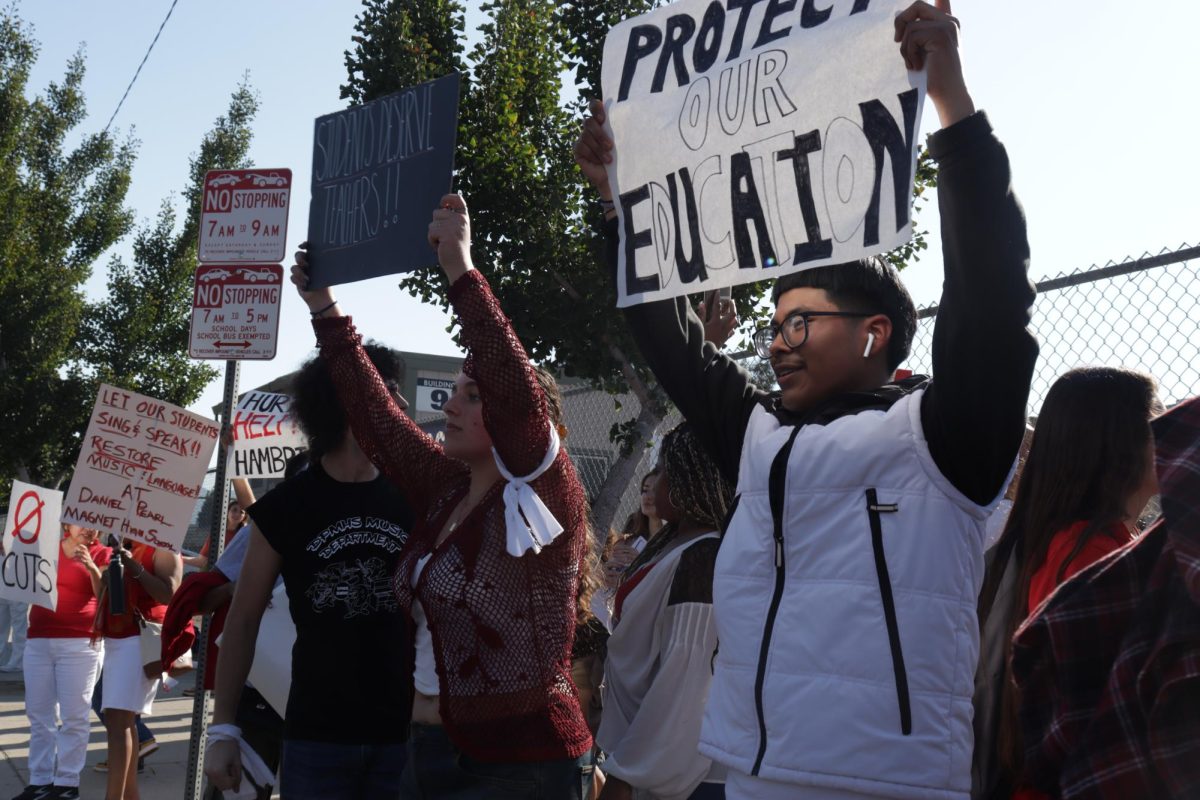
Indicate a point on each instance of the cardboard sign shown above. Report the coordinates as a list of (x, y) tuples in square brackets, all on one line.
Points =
[(32, 546), (755, 142), (265, 435), (235, 312), (379, 171), (243, 218), (140, 468)]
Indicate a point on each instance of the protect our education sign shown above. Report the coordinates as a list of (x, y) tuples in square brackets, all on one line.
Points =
[(32, 546), (265, 435), (756, 139), (140, 468)]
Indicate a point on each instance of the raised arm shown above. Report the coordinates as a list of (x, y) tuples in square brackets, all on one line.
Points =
[(409, 458), (514, 405), (983, 351), (710, 389)]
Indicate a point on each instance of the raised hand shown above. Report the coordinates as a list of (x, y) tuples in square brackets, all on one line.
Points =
[(720, 321), (593, 150), (317, 300), (450, 235), (928, 37)]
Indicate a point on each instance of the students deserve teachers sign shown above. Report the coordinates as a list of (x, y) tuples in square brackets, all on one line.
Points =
[(753, 139)]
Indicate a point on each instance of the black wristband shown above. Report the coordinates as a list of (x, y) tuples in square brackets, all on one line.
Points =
[(323, 310)]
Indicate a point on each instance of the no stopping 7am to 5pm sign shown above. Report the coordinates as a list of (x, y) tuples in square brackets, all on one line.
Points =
[(235, 311)]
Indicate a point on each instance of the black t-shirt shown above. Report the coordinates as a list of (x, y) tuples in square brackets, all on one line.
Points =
[(352, 661)]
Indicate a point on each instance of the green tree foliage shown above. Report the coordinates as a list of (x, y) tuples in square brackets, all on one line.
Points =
[(60, 208), (137, 336)]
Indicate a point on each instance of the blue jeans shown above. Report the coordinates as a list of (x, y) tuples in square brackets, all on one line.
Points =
[(144, 733), (437, 769), (330, 771)]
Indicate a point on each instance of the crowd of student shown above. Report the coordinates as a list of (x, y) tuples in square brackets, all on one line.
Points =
[(852, 587)]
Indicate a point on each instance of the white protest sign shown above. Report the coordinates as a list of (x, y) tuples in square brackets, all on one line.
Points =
[(243, 219), (32, 545), (755, 141), (265, 435), (140, 468)]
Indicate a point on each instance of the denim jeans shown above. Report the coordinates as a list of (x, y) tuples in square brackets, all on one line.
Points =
[(437, 769), (331, 771)]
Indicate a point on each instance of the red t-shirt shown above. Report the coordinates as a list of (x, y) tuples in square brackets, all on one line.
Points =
[(76, 610), (1045, 580)]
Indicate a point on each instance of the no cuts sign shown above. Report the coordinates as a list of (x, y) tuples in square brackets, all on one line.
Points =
[(235, 311), (243, 219)]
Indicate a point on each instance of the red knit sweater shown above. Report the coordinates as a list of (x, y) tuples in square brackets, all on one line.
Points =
[(502, 626)]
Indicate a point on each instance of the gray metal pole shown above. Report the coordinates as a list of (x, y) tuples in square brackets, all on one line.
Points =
[(216, 543)]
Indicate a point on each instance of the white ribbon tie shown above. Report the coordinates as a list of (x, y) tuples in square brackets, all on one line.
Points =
[(530, 525)]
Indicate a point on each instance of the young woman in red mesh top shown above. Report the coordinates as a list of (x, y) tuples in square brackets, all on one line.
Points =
[(491, 571)]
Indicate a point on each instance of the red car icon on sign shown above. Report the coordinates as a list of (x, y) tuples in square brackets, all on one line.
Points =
[(256, 275), (216, 275), (274, 179), (225, 180)]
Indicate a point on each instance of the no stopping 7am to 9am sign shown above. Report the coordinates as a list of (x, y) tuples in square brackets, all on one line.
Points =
[(243, 217), (235, 311)]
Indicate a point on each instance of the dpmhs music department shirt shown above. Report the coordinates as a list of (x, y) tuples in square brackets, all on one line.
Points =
[(352, 661)]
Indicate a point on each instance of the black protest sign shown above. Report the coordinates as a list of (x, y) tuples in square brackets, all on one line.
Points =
[(379, 170)]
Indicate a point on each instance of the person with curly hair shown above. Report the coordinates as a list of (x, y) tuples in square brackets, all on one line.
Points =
[(664, 637)]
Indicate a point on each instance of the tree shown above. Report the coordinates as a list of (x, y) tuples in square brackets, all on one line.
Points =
[(534, 225), (137, 336), (60, 208)]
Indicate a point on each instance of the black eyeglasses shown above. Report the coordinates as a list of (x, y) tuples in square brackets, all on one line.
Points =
[(794, 329)]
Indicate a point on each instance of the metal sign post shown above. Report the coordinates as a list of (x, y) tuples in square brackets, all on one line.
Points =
[(216, 544)]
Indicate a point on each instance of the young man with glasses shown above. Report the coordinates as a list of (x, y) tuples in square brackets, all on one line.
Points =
[(846, 583)]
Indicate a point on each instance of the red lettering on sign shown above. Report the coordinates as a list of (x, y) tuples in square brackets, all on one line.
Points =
[(19, 530)]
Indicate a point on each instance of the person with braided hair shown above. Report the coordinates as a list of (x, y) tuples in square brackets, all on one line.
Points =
[(659, 655)]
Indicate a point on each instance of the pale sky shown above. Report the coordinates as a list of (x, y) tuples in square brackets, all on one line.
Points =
[(1094, 100)]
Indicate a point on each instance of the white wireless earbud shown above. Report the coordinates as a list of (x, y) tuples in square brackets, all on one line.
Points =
[(870, 344)]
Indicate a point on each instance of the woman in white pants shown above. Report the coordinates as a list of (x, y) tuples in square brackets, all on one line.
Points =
[(62, 663)]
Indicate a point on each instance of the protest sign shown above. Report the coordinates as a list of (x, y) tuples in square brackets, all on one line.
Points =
[(243, 219), (140, 468), (379, 171), (32, 546), (235, 312), (265, 435), (755, 141)]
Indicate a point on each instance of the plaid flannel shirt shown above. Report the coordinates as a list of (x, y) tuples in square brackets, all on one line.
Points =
[(1109, 665)]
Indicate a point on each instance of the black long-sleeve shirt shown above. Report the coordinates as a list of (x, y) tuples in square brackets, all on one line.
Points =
[(973, 413)]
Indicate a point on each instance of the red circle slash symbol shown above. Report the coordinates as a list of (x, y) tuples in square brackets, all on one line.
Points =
[(24, 520)]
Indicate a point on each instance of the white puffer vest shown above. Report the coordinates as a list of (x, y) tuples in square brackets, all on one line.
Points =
[(848, 647)]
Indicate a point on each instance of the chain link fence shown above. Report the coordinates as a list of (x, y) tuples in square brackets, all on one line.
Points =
[(1142, 313)]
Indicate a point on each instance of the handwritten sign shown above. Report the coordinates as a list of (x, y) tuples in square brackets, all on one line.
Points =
[(235, 311), (140, 468), (265, 435), (32, 544), (379, 170), (243, 219), (755, 142)]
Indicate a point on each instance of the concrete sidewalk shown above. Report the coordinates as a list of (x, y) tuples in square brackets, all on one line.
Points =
[(166, 769)]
